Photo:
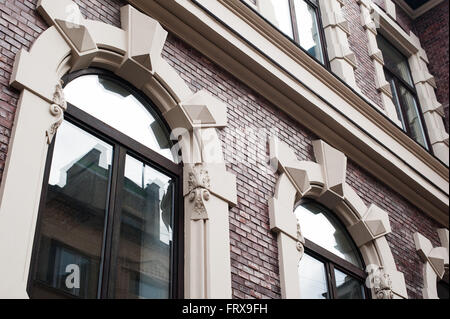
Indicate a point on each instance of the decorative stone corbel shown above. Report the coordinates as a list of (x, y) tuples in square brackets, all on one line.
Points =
[(435, 261), (57, 109), (300, 241), (199, 191), (325, 182), (342, 59), (382, 284), (375, 54), (68, 20)]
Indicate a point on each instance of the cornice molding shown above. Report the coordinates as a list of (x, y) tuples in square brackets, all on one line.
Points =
[(414, 14), (322, 112)]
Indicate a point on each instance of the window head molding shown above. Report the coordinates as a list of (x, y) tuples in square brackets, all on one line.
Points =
[(324, 181), (424, 82), (435, 261), (134, 53)]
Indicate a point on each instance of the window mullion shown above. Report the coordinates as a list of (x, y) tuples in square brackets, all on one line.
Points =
[(113, 221), (294, 22), (331, 280)]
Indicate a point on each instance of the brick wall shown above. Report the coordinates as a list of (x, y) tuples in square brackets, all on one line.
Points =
[(365, 71), (432, 29), (253, 247)]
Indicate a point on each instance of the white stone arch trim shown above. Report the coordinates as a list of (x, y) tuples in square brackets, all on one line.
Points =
[(375, 20), (324, 181), (435, 261), (133, 52)]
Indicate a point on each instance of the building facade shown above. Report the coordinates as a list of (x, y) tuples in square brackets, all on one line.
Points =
[(224, 149)]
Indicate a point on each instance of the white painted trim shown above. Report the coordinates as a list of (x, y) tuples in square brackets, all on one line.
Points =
[(324, 181), (311, 105), (435, 261), (134, 53)]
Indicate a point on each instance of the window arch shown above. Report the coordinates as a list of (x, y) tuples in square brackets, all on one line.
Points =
[(110, 222), (331, 267)]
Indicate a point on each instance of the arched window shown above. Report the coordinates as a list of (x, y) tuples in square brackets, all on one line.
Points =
[(109, 223), (331, 267)]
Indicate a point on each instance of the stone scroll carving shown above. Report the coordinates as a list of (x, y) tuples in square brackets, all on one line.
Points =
[(382, 284), (57, 109), (199, 185)]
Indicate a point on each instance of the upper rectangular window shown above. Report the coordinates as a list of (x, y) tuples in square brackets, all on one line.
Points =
[(298, 20), (404, 96)]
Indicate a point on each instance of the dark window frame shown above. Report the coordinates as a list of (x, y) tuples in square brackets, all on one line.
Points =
[(398, 80), (332, 261), (122, 146)]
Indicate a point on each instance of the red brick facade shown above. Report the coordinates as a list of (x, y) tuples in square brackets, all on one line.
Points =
[(254, 254), (432, 29)]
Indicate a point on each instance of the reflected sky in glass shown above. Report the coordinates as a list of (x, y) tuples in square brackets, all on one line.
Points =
[(115, 106), (312, 277), (143, 175), (321, 228), (68, 154)]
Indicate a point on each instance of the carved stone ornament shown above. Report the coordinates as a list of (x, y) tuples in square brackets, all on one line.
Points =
[(382, 284), (300, 241), (199, 185), (57, 109)]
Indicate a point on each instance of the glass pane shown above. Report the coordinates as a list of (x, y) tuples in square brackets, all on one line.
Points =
[(112, 104), (308, 30), (396, 100), (278, 13), (72, 222), (313, 279), (348, 287), (394, 60), (320, 226), (143, 265), (413, 119)]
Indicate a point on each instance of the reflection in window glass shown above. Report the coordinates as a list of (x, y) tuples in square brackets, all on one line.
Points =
[(394, 60), (321, 227), (308, 30), (279, 14), (412, 116), (396, 100), (348, 287), (111, 103), (313, 280), (72, 222), (143, 265)]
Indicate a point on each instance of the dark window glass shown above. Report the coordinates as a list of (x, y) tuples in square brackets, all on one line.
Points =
[(72, 221), (398, 75), (328, 246), (443, 288), (143, 265), (394, 60), (348, 287), (107, 220)]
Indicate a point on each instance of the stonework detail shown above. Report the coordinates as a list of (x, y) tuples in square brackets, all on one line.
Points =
[(199, 185), (57, 109), (382, 284), (435, 261), (342, 59), (132, 52), (325, 182)]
